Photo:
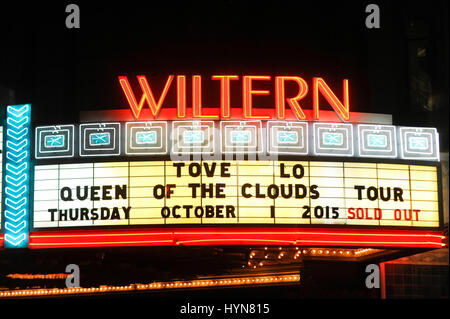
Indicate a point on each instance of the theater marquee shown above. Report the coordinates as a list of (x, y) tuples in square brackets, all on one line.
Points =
[(235, 192), (154, 174)]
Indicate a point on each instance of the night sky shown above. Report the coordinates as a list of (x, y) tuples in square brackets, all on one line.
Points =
[(62, 71)]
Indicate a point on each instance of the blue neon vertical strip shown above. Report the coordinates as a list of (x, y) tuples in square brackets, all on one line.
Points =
[(17, 176)]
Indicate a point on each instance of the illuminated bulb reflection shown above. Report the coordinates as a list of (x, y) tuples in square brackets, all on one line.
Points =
[(162, 285)]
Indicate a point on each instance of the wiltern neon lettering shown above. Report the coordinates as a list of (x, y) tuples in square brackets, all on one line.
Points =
[(319, 87)]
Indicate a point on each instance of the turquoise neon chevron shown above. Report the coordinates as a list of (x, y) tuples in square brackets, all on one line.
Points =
[(17, 176)]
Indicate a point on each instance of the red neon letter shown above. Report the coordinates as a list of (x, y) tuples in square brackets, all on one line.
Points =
[(247, 93), (147, 95), (293, 102), (342, 110), (181, 96), (197, 98), (225, 93)]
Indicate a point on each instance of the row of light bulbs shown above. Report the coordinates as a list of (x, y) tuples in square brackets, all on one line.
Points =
[(38, 276), (312, 252), (154, 286), (322, 252), (366, 251)]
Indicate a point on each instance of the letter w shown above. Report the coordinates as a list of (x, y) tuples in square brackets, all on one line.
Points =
[(147, 95)]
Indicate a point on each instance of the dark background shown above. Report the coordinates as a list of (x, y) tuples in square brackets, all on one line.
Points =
[(399, 69)]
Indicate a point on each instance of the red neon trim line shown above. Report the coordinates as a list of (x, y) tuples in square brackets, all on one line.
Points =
[(298, 242), (234, 239), (227, 230), (209, 232), (261, 230), (107, 242), (374, 242), (307, 233), (179, 236), (35, 235), (167, 114)]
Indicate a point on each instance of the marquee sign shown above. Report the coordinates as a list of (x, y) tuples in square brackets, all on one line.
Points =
[(201, 176), (235, 192)]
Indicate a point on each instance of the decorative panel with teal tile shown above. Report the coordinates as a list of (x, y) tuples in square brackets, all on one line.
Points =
[(287, 137), (377, 140), (417, 143), (421, 143), (97, 139), (193, 137), (147, 138), (240, 137), (334, 139), (54, 141)]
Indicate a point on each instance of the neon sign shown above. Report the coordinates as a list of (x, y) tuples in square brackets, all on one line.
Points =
[(227, 192), (319, 88), (17, 177), (283, 191)]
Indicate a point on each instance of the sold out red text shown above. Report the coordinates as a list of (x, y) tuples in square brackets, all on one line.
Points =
[(377, 213)]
